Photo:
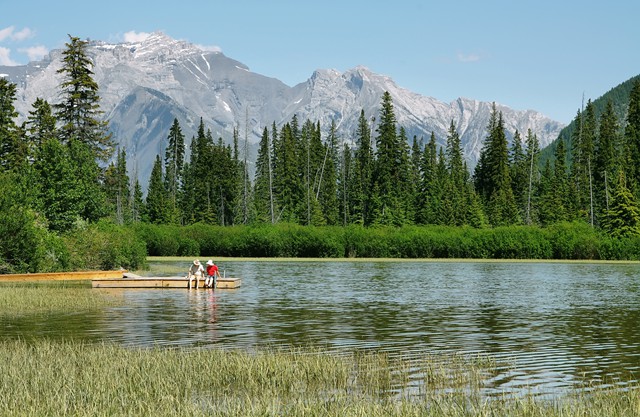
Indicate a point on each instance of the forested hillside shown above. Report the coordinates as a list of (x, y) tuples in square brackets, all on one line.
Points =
[(619, 98), (56, 186)]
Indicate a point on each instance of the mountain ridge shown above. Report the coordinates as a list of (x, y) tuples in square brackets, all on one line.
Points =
[(145, 85)]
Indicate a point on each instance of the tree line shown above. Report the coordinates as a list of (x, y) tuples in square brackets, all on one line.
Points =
[(303, 178), (62, 170)]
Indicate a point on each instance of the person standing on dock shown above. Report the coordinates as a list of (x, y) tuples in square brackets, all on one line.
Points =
[(196, 272), (212, 275)]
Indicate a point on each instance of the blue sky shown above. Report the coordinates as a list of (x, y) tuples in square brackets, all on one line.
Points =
[(541, 55)]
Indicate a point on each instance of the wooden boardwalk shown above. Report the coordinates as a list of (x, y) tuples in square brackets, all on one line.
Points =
[(63, 276)]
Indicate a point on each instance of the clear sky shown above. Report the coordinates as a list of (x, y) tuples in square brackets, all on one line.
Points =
[(541, 55)]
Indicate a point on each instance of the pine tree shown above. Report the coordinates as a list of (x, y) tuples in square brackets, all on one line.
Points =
[(456, 188), (156, 204), (583, 142), (345, 192), (79, 111), (402, 178), (533, 174), (554, 192), (328, 193), (87, 171), (519, 172), (226, 179), (429, 193), (240, 187), (9, 135), (137, 207), (201, 202), (492, 175), (548, 206), (390, 168), (606, 158), (632, 139), (363, 172), (313, 159), (441, 205), (188, 197), (623, 217), (415, 178), (116, 185), (60, 190), (41, 125), (287, 179), (174, 165), (263, 189)]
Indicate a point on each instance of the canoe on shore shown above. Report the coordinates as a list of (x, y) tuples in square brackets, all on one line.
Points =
[(63, 276)]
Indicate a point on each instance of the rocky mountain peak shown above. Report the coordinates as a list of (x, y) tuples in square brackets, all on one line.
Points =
[(145, 85)]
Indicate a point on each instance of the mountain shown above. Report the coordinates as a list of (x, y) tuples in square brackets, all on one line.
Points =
[(145, 85), (618, 96)]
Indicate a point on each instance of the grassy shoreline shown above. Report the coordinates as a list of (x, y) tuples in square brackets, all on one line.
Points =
[(71, 378), (391, 260), (34, 298), (47, 377)]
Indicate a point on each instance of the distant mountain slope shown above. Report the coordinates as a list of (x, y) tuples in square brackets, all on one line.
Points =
[(145, 85), (618, 95)]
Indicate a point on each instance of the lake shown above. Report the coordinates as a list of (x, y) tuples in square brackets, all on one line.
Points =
[(552, 326)]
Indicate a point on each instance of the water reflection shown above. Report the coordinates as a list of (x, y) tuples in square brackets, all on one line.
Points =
[(550, 324)]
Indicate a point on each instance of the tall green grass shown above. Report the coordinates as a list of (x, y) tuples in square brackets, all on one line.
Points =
[(47, 378), (20, 299)]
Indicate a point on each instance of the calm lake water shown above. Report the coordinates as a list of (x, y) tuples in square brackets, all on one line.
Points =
[(557, 325)]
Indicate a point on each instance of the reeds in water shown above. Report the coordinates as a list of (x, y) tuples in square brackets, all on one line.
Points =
[(74, 378), (19, 299)]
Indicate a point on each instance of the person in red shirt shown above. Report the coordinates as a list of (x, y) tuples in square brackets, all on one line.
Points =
[(212, 275)]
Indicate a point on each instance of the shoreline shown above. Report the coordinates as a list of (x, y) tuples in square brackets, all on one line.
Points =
[(390, 260)]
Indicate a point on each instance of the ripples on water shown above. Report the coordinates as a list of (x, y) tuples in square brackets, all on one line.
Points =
[(549, 326)]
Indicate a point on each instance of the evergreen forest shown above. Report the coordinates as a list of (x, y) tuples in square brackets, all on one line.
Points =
[(68, 201)]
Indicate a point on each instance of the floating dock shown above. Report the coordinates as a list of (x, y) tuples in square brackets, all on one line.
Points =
[(136, 281)]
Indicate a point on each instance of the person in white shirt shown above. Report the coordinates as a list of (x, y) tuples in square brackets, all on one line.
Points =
[(195, 271)]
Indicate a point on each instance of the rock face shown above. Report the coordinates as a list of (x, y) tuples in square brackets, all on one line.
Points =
[(145, 85)]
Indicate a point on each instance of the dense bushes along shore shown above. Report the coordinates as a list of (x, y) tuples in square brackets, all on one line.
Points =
[(106, 246), (561, 241)]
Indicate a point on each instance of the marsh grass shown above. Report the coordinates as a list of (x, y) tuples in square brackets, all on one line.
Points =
[(48, 378), (20, 299)]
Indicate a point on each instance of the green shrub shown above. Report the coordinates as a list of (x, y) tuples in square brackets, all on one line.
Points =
[(25, 243), (560, 241), (576, 240), (105, 246)]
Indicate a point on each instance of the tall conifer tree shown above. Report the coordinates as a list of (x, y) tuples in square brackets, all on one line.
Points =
[(533, 174), (156, 204), (263, 188), (390, 168), (79, 111), (174, 165), (632, 139), (41, 125), (492, 175), (328, 195), (9, 136), (622, 219), (606, 161), (363, 173)]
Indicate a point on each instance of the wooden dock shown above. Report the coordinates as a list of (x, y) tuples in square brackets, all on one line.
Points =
[(160, 282), (63, 276)]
